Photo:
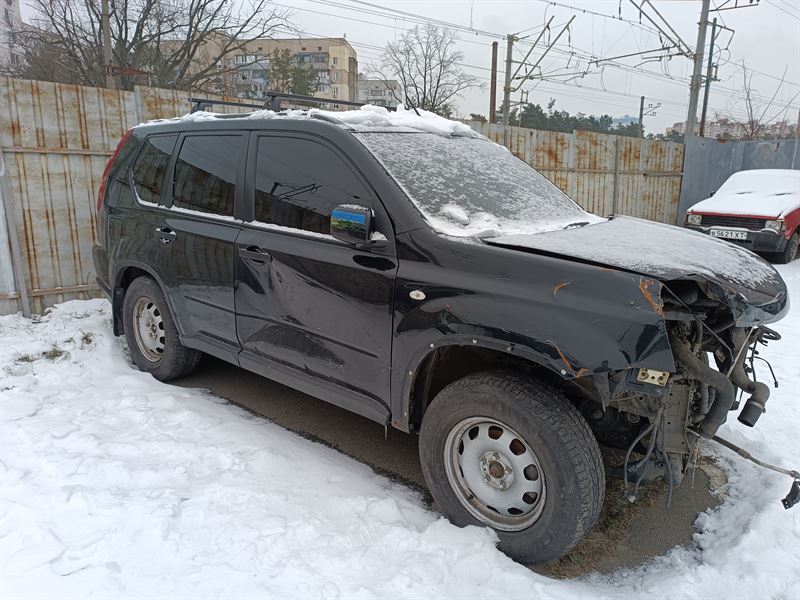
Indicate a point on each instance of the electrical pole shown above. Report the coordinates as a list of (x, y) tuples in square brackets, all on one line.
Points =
[(709, 69), (796, 139), (493, 86), (507, 86), (641, 117), (106, 27), (694, 88)]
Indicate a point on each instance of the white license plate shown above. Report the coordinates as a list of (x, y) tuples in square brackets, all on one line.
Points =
[(728, 234)]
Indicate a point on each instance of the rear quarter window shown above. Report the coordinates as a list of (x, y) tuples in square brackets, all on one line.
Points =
[(150, 167), (206, 172)]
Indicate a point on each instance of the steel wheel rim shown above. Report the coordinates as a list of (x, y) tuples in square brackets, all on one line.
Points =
[(494, 473), (148, 329)]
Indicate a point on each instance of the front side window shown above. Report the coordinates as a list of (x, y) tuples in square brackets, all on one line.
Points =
[(299, 182), (151, 166), (205, 174)]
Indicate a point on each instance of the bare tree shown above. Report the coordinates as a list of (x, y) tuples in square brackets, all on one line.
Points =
[(170, 43), (757, 123), (426, 63)]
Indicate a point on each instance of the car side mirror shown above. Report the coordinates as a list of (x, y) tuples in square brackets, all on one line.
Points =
[(712, 193), (351, 224)]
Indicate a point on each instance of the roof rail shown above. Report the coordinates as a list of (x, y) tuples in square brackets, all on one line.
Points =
[(199, 104), (272, 101)]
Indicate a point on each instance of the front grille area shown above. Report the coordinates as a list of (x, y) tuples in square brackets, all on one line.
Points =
[(728, 221)]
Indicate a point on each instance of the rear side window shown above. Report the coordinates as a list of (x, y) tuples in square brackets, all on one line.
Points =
[(205, 174), (299, 182), (151, 166)]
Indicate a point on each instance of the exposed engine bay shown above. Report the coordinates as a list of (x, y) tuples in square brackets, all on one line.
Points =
[(660, 417)]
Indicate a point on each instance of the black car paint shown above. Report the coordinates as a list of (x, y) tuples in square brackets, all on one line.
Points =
[(352, 332)]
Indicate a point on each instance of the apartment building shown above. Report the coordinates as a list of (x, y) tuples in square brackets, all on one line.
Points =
[(379, 92), (10, 21), (333, 59)]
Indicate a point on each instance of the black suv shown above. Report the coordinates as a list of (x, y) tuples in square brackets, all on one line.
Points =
[(418, 274)]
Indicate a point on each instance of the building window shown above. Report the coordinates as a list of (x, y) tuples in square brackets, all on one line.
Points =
[(205, 174), (335, 91), (335, 60), (335, 76), (319, 48), (303, 49)]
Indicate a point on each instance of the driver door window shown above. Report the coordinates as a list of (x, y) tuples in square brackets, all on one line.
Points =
[(298, 183)]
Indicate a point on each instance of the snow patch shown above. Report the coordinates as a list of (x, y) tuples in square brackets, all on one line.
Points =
[(365, 118), (113, 484)]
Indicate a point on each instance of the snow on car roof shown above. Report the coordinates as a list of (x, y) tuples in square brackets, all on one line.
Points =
[(763, 192), (365, 118)]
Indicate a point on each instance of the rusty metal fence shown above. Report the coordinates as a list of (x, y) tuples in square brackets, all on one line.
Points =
[(605, 174), (56, 138)]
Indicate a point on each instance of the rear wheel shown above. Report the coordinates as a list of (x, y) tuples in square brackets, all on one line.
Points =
[(151, 333), (790, 251), (504, 451)]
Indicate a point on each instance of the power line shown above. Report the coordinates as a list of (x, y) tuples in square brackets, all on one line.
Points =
[(569, 52), (783, 10)]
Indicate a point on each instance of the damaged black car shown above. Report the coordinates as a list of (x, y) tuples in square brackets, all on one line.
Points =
[(429, 280)]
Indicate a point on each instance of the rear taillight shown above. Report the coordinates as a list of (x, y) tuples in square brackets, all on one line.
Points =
[(104, 181)]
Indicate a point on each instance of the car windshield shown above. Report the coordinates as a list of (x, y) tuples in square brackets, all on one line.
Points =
[(470, 186)]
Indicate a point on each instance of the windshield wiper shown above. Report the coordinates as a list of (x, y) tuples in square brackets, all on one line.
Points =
[(578, 224)]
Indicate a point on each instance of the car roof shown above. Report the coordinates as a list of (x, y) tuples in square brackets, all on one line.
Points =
[(366, 119)]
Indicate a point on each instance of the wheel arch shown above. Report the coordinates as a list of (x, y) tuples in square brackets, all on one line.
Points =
[(441, 364), (124, 275)]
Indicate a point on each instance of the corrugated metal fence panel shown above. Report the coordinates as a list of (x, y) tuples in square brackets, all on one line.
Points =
[(585, 165), (56, 139), (7, 305), (157, 103)]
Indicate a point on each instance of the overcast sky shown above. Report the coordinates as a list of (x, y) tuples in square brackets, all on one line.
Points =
[(766, 38)]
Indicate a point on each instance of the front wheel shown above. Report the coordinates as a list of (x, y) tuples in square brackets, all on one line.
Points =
[(504, 451), (790, 251)]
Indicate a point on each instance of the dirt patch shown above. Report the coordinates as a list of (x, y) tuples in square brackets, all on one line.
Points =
[(629, 534)]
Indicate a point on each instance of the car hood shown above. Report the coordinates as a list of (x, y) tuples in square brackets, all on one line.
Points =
[(749, 284), (762, 205)]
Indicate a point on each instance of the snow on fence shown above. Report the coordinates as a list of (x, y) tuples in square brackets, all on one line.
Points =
[(606, 174), (55, 139)]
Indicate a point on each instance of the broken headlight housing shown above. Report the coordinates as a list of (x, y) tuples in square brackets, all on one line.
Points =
[(692, 219)]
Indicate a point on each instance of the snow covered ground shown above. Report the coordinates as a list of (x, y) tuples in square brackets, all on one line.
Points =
[(113, 484)]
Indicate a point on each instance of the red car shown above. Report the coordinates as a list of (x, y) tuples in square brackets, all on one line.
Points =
[(758, 209)]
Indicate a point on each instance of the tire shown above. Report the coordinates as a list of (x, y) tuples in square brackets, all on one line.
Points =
[(789, 252), (155, 347), (565, 481)]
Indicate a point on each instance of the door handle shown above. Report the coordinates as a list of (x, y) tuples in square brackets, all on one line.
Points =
[(165, 235), (255, 254)]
